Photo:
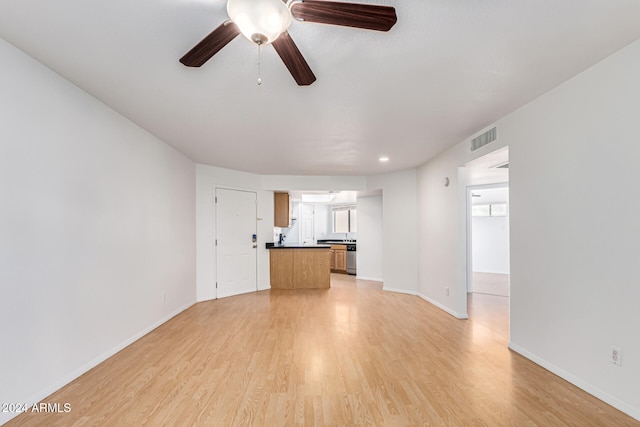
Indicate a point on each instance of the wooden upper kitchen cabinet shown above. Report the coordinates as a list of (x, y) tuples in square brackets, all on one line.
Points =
[(338, 258), (282, 210)]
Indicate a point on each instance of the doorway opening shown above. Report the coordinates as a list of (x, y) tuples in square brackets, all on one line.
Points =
[(488, 261)]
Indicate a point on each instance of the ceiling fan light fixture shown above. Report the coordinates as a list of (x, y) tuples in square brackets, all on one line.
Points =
[(267, 21), (260, 21)]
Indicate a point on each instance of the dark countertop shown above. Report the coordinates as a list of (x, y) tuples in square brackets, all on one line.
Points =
[(337, 242), (296, 246)]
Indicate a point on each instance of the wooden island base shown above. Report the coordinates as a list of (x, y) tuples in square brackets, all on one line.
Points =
[(300, 268)]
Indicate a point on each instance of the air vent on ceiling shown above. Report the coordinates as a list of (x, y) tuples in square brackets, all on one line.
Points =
[(484, 139)]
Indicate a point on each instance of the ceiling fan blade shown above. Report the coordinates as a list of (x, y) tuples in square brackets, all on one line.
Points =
[(210, 45), (293, 59), (370, 17)]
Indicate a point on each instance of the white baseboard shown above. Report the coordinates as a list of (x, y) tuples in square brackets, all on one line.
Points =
[(400, 291), (42, 394), (455, 314), (371, 279), (430, 301), (594, 391)]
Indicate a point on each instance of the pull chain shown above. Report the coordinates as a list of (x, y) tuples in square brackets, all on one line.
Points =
[(259, 74), (259, 39)]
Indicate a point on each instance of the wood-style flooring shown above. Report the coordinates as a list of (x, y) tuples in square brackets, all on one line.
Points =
[(491, 283), (491, 312), (351, 355)]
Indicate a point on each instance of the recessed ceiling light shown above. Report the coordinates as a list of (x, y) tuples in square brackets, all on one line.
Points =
[(384, 159)]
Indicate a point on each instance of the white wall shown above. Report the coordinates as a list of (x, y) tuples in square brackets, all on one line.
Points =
[(313, 183), (370, 247), (208, 178), (490, 235), (399, 225), (490, 244), (574, 229), (292, 234), (96, 222), (442, 228)]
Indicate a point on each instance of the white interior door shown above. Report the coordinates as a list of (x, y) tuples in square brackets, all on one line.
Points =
[(236, 253), (306, 224)]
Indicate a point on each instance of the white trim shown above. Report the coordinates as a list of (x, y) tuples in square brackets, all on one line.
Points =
[(469, 248), (594, 391), (455, 314), (371, 279), (42, 394), (430, 301), (399, 291)]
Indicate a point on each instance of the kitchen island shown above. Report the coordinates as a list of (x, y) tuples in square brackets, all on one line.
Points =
[(296, 266)]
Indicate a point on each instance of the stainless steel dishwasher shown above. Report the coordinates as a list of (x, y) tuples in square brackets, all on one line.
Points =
[(351, 258)]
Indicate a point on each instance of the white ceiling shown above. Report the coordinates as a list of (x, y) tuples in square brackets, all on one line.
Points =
[(446, 70)]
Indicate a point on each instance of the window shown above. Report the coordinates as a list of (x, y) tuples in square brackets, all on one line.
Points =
[(344, 219), (494, 209)]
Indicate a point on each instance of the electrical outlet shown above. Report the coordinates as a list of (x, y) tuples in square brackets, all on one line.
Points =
[(446, 291), (164, 297), (615, 356)]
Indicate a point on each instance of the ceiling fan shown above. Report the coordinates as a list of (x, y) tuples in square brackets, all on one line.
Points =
[(267, 21)]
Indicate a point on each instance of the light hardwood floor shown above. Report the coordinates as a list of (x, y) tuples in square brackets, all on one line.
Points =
[(490, 311), (350, 355), (491, 283)]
